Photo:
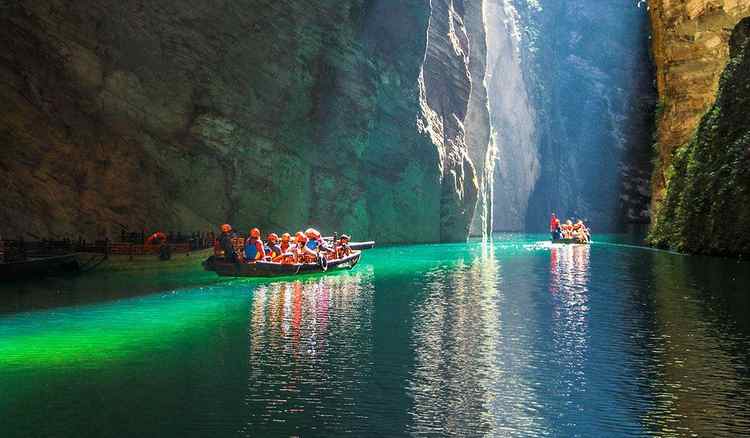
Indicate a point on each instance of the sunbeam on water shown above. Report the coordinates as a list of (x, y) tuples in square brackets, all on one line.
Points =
[(509, 337)]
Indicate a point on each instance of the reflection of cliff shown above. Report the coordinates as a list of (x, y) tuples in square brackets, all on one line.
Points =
[(455, 336), (278, 114), (700, 369)]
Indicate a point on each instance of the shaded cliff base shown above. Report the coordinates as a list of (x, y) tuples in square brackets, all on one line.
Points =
[(707, 204)]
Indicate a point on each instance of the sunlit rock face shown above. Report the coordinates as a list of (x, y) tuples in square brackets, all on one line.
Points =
[(706, 201), (478, 116), (513, 116), (576, 140), (691, 48), (271, 113)]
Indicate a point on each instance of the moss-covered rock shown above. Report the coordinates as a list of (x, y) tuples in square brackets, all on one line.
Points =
[(707, 204)]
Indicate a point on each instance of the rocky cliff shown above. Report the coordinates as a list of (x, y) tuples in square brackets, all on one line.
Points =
[(691, 46), (348, 115), (589, 66), (706, 201), (571, 101)]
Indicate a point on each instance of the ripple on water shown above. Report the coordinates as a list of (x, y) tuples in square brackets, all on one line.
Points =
[(525, 339)]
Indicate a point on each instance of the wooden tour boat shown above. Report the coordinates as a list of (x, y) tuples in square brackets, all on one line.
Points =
[(573, 241), (226, 268)]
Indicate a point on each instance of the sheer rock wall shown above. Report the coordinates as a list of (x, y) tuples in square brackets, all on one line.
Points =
[(281, 114), (690, 44), (706, 190)]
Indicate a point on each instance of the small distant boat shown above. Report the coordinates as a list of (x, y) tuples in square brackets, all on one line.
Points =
[(573, 241), (225, 268), (40, 267)]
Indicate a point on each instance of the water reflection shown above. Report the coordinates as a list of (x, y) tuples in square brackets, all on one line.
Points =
[(454, 340), (699, 370), (309, 350)]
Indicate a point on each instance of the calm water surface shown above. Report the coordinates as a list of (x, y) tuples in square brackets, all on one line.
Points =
[(519, 338)]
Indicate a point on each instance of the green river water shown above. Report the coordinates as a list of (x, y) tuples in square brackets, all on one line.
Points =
[(513, 338)]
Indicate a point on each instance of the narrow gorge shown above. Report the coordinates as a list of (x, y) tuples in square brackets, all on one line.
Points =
[(455, 117)]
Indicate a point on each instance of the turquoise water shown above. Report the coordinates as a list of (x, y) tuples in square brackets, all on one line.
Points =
[(518, 338)]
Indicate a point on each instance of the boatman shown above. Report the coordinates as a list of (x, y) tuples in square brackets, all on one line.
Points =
[(554, 227), (225, 243)]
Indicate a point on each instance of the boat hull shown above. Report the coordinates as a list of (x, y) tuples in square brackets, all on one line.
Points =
[(571, 241), (271, 269), (40, 267)]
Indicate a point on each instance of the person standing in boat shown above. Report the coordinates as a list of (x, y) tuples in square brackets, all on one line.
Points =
[(342, 247), (224, 243), (554, 227), (254, 249)]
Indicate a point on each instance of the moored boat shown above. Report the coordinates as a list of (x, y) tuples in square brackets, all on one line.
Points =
[(226, 268), (40, 266)]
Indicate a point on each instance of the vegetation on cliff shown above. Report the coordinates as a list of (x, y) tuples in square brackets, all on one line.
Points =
[(707, 202)]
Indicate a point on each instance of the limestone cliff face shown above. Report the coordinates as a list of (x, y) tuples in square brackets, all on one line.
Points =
[(347, 115), (691, 48), (706, 201), (589, 68), (513, 116), (690, 43), (478, 116)]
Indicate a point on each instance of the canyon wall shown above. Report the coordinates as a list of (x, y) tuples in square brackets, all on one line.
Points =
[(587, 63), (705, 201), (691, 47), (346, 115), (513, 117)]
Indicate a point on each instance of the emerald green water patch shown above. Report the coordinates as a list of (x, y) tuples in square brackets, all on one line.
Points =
[(97, 334)]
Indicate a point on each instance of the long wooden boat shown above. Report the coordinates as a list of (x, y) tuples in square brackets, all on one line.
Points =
[(225, 268), (39, 267), (573, 241)]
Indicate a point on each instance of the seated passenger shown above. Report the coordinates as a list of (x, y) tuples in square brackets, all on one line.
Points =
[(583, 232), (315, 241), (272, 248), (285, 242), (254, 249), (567, 229), (302, 251)]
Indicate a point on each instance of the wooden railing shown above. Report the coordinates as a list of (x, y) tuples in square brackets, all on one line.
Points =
[(21, 249)]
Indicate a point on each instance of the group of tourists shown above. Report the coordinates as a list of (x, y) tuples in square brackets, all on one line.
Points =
[(568, 230), (306, 247)]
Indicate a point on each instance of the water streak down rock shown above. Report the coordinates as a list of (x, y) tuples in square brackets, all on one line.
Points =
[(347, 115)]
